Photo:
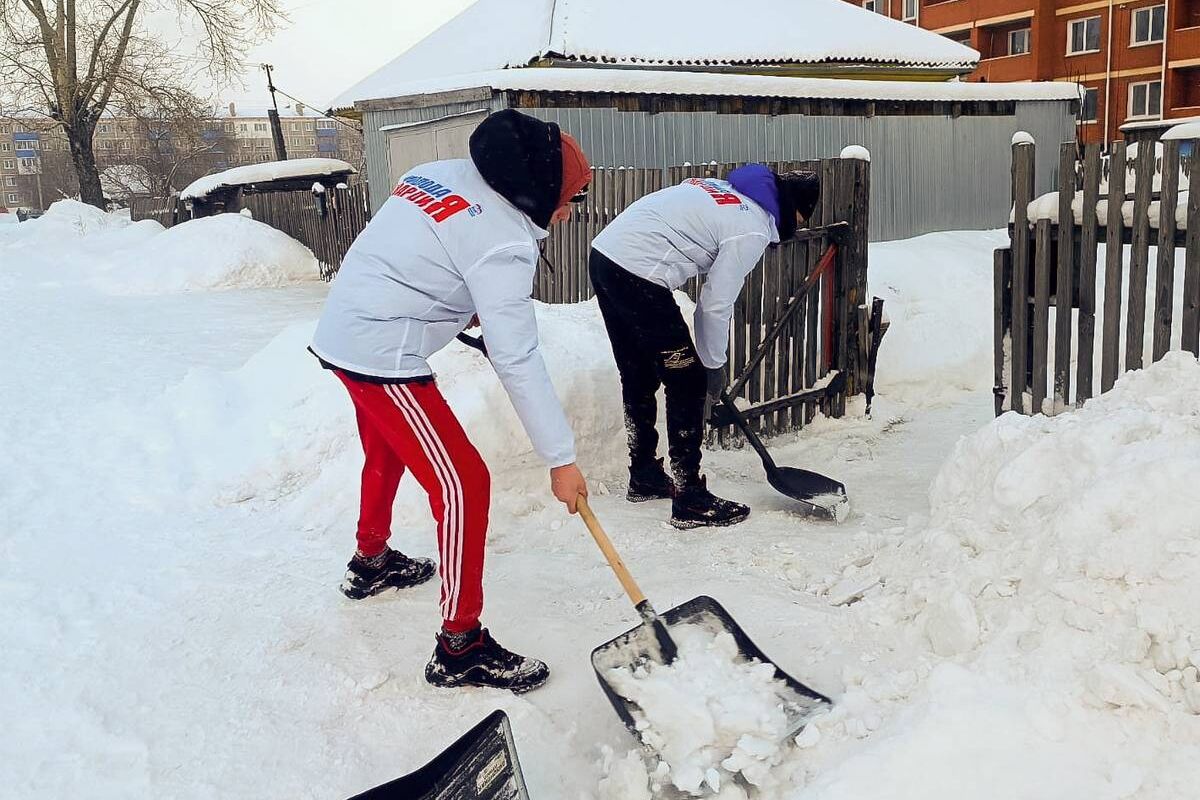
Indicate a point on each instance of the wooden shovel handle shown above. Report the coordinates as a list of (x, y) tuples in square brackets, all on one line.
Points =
[(610, 553)]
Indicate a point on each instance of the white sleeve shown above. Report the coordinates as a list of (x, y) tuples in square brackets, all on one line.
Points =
[(735, 259), (501, 287)]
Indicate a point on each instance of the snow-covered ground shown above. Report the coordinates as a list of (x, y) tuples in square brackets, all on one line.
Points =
[(180, 491)]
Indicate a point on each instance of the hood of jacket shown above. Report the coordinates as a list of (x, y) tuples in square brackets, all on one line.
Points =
[(757, 182), (520, 157)]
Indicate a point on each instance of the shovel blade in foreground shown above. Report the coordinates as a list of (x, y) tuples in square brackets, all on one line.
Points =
[(482, 765), (639, 645), (818, 495)]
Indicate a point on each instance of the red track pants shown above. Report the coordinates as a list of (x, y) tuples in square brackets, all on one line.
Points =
[(409, 425)]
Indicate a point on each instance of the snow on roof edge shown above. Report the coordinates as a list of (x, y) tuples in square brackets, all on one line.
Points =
[(261, 173), (631, 81)]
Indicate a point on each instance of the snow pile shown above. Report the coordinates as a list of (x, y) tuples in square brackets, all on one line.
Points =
[(280, 421), (1046, 207), (1051, 606), (220, 252), (268, 171), (856, 151), (938, 294), (63, 223), (710, 716)]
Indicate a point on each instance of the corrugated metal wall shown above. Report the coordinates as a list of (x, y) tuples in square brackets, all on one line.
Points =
[(376, 142), (928, 173)]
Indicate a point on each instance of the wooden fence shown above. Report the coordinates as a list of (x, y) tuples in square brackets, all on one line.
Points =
[(1057, 302), (802, 333), (817, 309)]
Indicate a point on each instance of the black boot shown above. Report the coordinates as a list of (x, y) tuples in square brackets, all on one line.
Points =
[(482, 662), (694, 506), (391, 569), (649, 482)]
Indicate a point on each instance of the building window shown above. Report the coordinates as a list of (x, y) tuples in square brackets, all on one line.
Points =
[(1090, 110), (328, 124), (12, 197), (295, 127), (1145, 99), (910, 10), (10, 164), (5, 128), (259, 127), (311, 142), (10, 181), (105, 127), (5, 147), (247, 144), (27, 163), (869, 5), (1018, 42), (229, 127), (1149, 25), (1083, 36)]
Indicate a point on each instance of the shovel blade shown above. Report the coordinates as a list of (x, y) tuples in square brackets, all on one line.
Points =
[(818, 495), (482, 765), (639, 645)]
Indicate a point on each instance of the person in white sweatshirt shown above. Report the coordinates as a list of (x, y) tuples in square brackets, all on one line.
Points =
[(456, 243), (714, 229)]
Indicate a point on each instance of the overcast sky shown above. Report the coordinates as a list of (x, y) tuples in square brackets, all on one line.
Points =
[(330, 44)]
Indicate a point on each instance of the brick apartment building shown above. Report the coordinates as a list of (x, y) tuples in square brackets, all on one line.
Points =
[(35, 166), (1139, 61)]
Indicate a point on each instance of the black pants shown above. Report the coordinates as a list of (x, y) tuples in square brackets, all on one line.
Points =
[(653, 348)]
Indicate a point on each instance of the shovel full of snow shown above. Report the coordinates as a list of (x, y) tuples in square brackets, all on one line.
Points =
[(651, 641), (482, 765)]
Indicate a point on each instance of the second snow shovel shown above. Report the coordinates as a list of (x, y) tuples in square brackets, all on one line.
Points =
[(651, 641), (482, 765), (819, 496)]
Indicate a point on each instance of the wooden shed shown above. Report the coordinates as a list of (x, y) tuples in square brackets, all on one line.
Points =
[(699, 81)]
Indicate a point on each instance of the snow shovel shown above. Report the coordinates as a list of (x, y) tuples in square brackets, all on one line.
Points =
[(818, 495), (482, 765), (651, 641)]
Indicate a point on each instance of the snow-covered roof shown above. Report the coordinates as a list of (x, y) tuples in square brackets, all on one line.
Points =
[(261, 173), (1188, 130), (501, 34), (636, 81), (1157, 123)]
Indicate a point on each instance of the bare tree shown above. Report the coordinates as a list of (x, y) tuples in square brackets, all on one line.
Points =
[(179, 138), (70, 59)]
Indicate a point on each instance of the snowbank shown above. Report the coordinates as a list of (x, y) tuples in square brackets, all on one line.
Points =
[(1052, 605), (63, 224), (221, 252), (938, 294), (281, 421)]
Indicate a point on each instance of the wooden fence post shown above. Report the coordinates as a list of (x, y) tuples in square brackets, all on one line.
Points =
[(1064, 291), (1191, 281), (1088, 245), (1139, 262), (1041, 314), (1003, 324), (1114, 268), (1164, 285), (1024, 154)]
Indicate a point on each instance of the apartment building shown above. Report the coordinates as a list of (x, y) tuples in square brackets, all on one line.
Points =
[(1138, 61), (36, 168), (306, 135)]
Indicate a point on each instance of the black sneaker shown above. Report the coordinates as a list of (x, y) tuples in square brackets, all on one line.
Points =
[(694, 506), (483, 662), (391, 569), (649, 482)]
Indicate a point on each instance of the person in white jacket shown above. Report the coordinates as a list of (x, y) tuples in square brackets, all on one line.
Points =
[(456, 243), (714, 229)]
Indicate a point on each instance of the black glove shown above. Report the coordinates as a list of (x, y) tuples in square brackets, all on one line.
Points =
[(716, 385)]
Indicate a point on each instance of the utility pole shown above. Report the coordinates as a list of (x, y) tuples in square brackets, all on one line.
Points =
[(273, 114)]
